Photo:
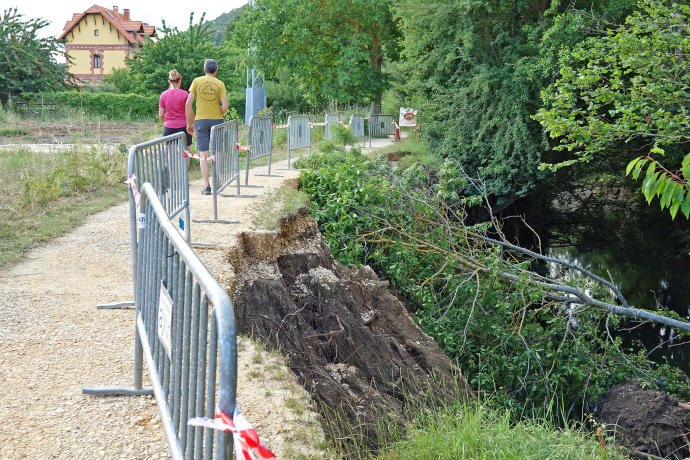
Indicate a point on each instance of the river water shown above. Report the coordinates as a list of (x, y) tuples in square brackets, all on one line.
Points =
[(614, 234)]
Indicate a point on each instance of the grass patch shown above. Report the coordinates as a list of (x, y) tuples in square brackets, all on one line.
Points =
[(48, 194), (473, 431), (276, 204), (13, 132), (294, 405)]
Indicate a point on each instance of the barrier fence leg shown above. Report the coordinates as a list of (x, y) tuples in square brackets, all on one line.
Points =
[(133, 247), (215, 192), (289, 168), (269, 169), (188, 231), (246, 177), (239, 194)]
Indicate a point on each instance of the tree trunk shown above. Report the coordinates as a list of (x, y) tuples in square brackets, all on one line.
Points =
[(376, 61)]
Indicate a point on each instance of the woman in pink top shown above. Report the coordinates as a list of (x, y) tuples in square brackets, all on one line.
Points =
[(171, 107)]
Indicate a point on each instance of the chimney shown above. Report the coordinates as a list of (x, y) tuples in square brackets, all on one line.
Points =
[(126, 14)]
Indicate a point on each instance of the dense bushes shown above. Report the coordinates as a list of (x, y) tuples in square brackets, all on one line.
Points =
[(114, 106), (110, 105), (536, 355), (475, 69)]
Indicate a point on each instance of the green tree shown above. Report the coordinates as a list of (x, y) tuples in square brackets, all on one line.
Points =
[(475, 69), (631, 86), (333, 50), (122, 80), (27, 62), (183, 50)]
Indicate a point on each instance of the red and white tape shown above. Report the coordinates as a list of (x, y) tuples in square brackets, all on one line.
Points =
[(319, 124), (246, 148), (196, 156), (280, 126), (246, 439), (396, 125), (132, 182)]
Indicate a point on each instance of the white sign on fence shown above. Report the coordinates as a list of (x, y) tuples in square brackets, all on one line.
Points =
[(408, 117), (165, 306)]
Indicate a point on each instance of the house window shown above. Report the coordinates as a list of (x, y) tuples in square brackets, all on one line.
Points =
[(95, 32), (97, 61)]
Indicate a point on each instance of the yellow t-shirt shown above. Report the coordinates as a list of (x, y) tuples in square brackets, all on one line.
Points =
[(208, 91)]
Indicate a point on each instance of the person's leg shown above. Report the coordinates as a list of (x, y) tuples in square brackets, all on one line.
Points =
[(204, 168), (203, 134)]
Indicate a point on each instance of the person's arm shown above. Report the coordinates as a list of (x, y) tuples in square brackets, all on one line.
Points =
[(189, 112), (224, 106), (161, 107)]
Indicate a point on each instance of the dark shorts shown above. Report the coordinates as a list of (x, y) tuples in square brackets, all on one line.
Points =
[(168, 131), (203, 133)]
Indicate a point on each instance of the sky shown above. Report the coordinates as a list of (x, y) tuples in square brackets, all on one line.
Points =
[(175, 12)]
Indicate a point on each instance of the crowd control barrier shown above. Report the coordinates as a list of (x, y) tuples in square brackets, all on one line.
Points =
[(381, 125), (226, 165), (298, 134), (260, 143), (185, 330), (357, 127), (331, 120), (160, 162)]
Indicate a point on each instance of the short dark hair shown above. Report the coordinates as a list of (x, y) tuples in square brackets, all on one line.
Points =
[(210, 65)]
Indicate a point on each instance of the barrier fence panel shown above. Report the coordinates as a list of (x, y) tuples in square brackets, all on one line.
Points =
[(331, 120), (260, 143), (160, 162), (298, 135), (226, 164), (357, 126), (381, 125), (185, 330)]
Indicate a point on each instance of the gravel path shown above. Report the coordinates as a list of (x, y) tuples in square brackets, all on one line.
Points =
[(53, 341)]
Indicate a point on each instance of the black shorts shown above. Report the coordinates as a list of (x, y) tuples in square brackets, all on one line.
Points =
[(168, 131)]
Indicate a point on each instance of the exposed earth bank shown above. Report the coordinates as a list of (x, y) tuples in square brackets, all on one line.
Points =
[(351, 343), (645, 420)]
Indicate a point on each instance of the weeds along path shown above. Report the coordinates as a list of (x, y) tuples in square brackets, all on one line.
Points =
[(53, 341)]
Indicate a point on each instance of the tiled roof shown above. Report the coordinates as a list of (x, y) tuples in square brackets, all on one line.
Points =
[(133, 31)]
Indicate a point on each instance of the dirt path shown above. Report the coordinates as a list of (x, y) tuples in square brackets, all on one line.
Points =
[(53, 341)]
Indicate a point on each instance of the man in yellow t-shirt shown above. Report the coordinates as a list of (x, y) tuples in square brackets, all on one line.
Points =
[(211, 104)]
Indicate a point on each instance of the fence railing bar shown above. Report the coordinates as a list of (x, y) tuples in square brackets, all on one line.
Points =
[(186, 365), (211, 386), (201, 374), (183, 286), (170, 433)]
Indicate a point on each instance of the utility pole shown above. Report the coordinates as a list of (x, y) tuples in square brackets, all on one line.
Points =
[(256, 86)]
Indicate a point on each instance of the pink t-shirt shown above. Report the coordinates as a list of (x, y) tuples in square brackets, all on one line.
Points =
[(173, 101)]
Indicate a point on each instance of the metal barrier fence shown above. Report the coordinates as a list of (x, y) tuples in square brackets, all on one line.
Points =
[(331, 120), (260, 143), (226, 164), (298, 134), (381, 125), (357, 126), (160, 162), (189, 347)]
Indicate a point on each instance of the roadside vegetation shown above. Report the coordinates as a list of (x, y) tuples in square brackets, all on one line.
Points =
[(47, 194), (535, 356), (473, 430)]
